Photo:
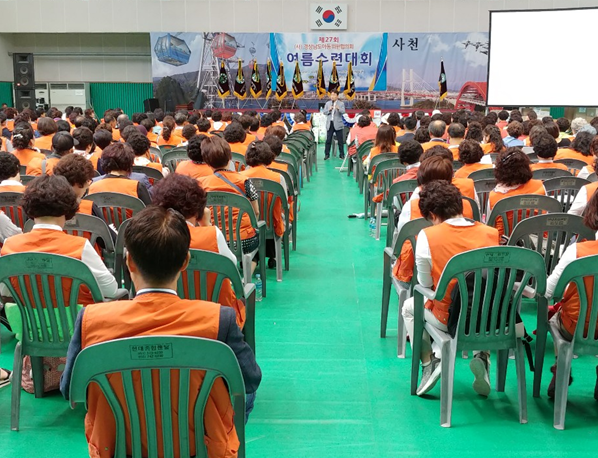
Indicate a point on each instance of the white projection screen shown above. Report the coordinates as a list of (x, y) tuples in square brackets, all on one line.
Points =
[(543, 58)]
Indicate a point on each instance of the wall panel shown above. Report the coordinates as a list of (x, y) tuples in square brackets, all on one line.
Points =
[(128, 96)]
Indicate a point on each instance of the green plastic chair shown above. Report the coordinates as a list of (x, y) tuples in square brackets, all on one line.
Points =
[(26, 179), (362, 152), (121, 271), (573, 165), (165, 148), (40, 278), (116, 207), (592, 178), (156, 153), (457, 165), (172, 158), (482, 189), (521, 207), (584, 341), (293, 191), (386, 170), (549, 235), (482, 174), (547, 174), (270, 191), (408, 233), (152, 174), (239, 162), (223, 204), (300, 154), (474, 208), (393, 202), (564, 189), (179, 357), (291, 167), (203, 263), (496, 331), (10, 204)]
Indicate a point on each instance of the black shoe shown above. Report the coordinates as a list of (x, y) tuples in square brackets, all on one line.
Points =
[(341, 157), (326, 158), (271, 263)]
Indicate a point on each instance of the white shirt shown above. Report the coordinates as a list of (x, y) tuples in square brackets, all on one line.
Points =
[(423, 256), (11, 183), (579, 204), (7, 227), (486, 159), (584, 173)]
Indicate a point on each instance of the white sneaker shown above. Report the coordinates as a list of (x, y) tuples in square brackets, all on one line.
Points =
[(430, 375), (479, 367)]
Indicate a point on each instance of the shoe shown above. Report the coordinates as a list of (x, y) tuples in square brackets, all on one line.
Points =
[(479, 367), (430, 375), (5, 377), (552, 385), (326, 158), (271, 263), (341, 157)]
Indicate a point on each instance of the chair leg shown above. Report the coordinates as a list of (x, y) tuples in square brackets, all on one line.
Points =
[(501, 369), (416, 344), (378, 219), (16, 387), (37, 369), (386, 286), (294, 224), (446, 384), (287, 247), (246, 261), (278, 249), (262, 258), (541, 333), (390, 226), (563, 371), (366, 201), (521, 391), (401, 330)]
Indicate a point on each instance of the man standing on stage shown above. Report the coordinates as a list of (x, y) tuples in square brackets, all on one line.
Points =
[(334, 111)]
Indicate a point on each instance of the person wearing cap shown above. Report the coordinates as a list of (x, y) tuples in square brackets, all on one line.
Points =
[(63, 143)]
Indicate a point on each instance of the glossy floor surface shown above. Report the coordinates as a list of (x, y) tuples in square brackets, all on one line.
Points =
[(331, 386)]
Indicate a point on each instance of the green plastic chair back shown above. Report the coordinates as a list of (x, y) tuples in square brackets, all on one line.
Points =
[(26, 179), (482, 174), (165, 148), (116, 207), (386, 170), (40, 278), (239, 162), (291, 170), (174, 358), (521, 207), (457, 165), (383, 157), (398, 194), (171, 159), (193, 284), (592, 178), (482, 189), (10, 204), (493, 157), (152, 174), (573, 165), (270, 192), (121, 271), (156, 152), (547, 174), (474, 208), (564, 189), (364, 148)]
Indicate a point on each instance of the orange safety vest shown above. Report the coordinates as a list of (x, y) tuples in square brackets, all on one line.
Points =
[(568, 153), (214, 183), (465, 187), (375, 151), (193, 169), (36, 166), (13, 188), (240, 148), (25, 155), (446, 241), (468, 169), (44, 142), (153, 314), (85, 207), (49, 241), (120, 185), (426, 146), (205, 238), (263, 172), (301, 126), (547, 165)]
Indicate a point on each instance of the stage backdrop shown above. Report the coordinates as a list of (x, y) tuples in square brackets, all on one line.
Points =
[(390, 70)]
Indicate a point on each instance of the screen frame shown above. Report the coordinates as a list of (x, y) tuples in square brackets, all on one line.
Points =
[(576, 8)]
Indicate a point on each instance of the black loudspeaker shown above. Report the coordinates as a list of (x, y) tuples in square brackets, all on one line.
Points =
[(149, 105), (24, 98), (23, 68)]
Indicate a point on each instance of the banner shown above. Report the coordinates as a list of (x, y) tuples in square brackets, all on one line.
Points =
[(321, 81), (223, 85), (268, 79), (349, 89), (256, 82), (297, 86)]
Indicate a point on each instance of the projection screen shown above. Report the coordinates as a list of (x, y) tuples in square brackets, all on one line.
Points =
[(543, 58)]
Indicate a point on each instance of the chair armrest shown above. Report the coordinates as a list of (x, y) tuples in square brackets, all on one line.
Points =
[(248, 290), (388, 252), (121, 294), (426, 292), (261, 224)]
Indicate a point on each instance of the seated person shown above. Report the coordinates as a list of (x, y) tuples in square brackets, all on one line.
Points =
[(580, 149), (47, 128), (117, 162), (10, 173), (195, 167), (85, 146), (456, 135), (514, 131), (384, 143), (470, 155), (589, 169), (275, 143), (23, 144), (235, 135), (150, 125), (465, 185), (451, 234), (545, 147), (157, 242), (217, 124), (567, 316), (583, 196), (204, 126), (102, 139), (278, 120), (513, 177), (187, 132), (493, 142), (62, 144), (140, 145), (410, 124), (185, 195), (216, 153), (300, 123), (410, 152), (437, 131), (168, 136), (364, 130)]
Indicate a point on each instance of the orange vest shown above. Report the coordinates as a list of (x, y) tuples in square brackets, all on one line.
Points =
[(260, 133), (264, 173), (115, 135), (153, 138), (547, 165), (146, 315), (25, 155), (13, 188), (121, 185), (426, 146), (193, 170), (213, 183), (570, 302), (375, 151), (95, 157), (279, 123), (467, 169), (465, 187), (85, 206), (300, 126), (447, 241), (249, 138), (174, 140), (568, 153), (531, 187), (49, 241), (36, 165), (44, 142), (204, 238), (240, 148)]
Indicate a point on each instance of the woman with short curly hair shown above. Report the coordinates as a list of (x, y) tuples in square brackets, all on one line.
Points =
[(470, 154), (580, 149)]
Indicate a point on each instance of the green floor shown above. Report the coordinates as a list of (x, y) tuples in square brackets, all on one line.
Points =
[(331, 386)]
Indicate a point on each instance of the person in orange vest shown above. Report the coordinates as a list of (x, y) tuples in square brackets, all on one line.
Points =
[(195, 167), (185, 195), (437, 130), (140, 145), (246, 122), (278, 121), (47, 128), (361, 132), (102, 139), (218, 125), (62, 144), (275, 143), (235, 136), (470, 154), (23, 144), (168, 135), (85, 145), (384, 143), (300, 123), (204, 127), (10, 174), (265, 122), (587, 191), (580, 148), (545, 147), (475, 132), (157, 241), (456, 135), (567, 310), (117, 162), (188, 131), (410, 124), (493, 142), (440, 202)]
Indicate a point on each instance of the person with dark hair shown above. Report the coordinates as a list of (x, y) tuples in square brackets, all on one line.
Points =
[(587, 191), (85, 145), (456, 134), (514, 131), (195, 167), (23, 144), (277, 120), (580, 149), (394, 121), (63, 126), (422, 136), (204, 126), (181, 120), (566, 312), (265, 122), (493, 142), (334, 110), (188, 131), (216, 153), (235, 136), (62, 144), (384, 143), (437, 131), (140, 145), (149, 125), (102, 139), (10, 173), (117, 161), (47, 128), (246, 121), (157, 241), (475, 132), (168, 135), (513, 177), (300, 123), (451, 234), (470, 155), (6, 134), (545, 147), (410, 124), (217, 124)]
